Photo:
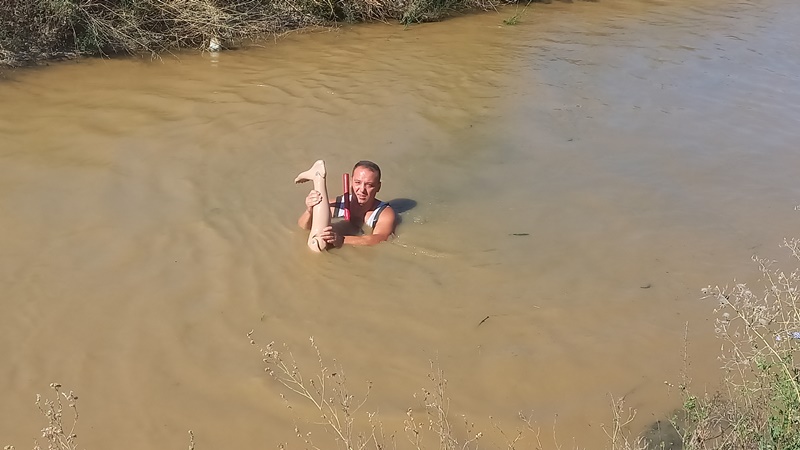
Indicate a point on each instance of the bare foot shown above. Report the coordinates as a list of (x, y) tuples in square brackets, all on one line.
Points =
[(316, 170), (316, 244)]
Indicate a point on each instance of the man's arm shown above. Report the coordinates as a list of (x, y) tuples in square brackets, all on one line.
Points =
[(305, 220), (313, 198), (383, 229)]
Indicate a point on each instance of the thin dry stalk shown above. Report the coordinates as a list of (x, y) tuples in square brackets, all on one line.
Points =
[(436, 404), (327, 391), (55, 435), (514, 443), (618, 433)]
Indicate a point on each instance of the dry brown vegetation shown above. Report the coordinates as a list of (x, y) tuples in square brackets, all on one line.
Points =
[(760, 333), (33, 30), (759, 408), (57, 434), (339, 415)]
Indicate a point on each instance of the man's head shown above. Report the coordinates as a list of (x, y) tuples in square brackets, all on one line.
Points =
[(366, 181)]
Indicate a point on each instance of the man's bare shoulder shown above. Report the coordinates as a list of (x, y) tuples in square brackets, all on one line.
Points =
[(386, 221)]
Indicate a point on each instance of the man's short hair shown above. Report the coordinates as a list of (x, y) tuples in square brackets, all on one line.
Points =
[(369, 165)]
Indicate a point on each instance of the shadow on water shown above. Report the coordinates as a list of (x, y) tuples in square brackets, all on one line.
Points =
[(401, 205), (662, 434)]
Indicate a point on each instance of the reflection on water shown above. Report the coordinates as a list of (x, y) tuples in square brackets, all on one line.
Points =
[(546, 174)]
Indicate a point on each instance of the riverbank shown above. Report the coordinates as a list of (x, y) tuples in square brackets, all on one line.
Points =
[(32, 31)]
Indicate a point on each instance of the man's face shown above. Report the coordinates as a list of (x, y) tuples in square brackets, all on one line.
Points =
[(365, 185)]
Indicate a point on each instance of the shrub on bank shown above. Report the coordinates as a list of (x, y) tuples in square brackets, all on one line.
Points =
[(31, 30), (760, 331)]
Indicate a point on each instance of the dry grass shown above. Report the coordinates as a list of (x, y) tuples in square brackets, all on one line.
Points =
[(328, 392), (430, 425), (618, 432), (32, 30), (339, 413), (56, 434), (758, 410), (437, 418), (760, 333)]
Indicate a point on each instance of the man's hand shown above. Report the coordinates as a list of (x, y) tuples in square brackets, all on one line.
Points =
[(331, 237), (313, 199)]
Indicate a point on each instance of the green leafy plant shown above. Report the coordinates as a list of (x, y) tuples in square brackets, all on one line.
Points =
[(514, 19)]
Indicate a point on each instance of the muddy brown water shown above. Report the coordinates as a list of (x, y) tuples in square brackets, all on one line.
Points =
[(577, 178)]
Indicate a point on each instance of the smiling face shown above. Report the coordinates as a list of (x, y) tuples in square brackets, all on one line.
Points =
[(366, 185)]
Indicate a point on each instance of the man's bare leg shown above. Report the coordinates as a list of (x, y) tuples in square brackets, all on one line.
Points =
[(321, 212)]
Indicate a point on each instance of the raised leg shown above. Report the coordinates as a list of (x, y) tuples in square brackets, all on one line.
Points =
[(321, 212)]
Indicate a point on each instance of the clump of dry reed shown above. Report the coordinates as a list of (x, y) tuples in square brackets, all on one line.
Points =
[(759, 408), (329, 394), (55, 433), (760, 332), (431, 425), (618, 432), (32, 30)]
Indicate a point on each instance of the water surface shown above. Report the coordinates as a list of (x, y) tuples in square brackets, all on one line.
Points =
[(576, 178)]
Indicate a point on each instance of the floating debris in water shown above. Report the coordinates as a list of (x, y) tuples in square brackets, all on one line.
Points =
[(214, 45)]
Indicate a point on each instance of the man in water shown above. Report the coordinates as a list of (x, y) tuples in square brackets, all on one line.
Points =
[(364, 209)]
